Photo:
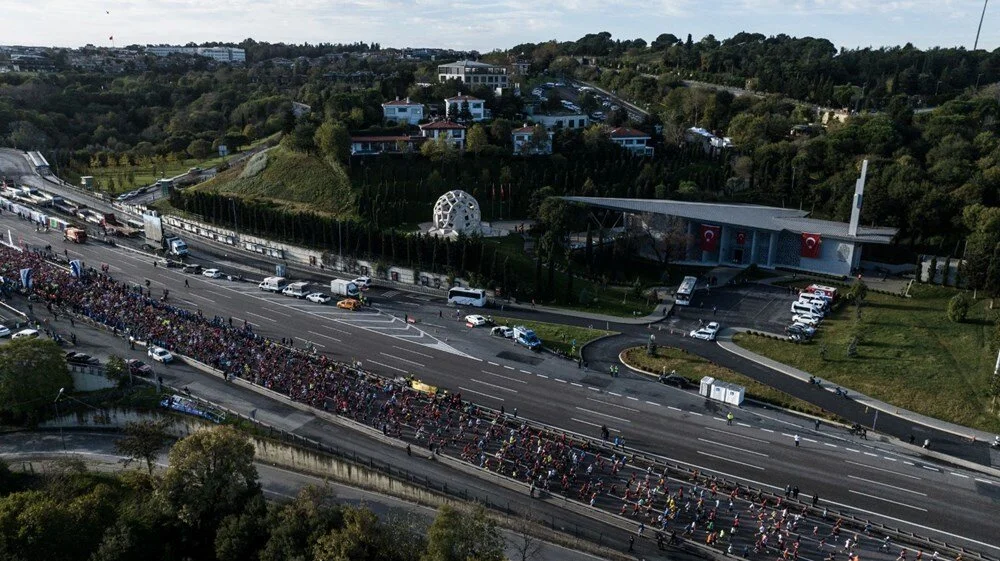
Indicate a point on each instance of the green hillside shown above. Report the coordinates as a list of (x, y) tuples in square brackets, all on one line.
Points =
[(290, 179)]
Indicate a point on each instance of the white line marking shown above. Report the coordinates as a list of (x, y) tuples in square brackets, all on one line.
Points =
[(883, 469), (615, 394), (200, 297), (481, 393), (504, 377), (809, 440), (654, 403), (830, 445), (767, 430), (387, 366), (852, 450), (743, 425), (786, 434), (262, 317), (412, 351), (890, 459), (592, 424), (931, 469), (734, 447), (541, 375), (729, 460), (524, 372), (598, 390), (987, 481), (695, 413), (493, 363), (492, 385), (326, 336), (960, 475), (613, 405), (403, 359), (560, 380), (576, 384), (720, 431), (888, 485), (632, 398), (908, 463), (870, 454), (508, 367), (604, 415), (719, 419), (887, 500), (674, 408)]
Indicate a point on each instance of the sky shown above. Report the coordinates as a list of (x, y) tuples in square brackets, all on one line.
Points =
[(485, 25)]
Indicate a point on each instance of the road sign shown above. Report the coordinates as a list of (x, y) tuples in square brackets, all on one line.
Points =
[(223, 151)]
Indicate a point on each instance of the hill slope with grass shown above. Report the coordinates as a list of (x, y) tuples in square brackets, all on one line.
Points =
[(290, 179)]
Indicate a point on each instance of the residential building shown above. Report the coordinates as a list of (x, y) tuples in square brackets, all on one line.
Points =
[(403, 111), (453, 132), (221, 54), (474, 73), (709, 142), (562, 120), (523, 140), (453, 107), (633, 140), (372, 145)]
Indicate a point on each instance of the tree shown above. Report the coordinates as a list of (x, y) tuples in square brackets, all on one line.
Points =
[(116, 370), (242, 536), (199, 149), (958, 307), (211, 476), (301, 137), (463, 536), (333, 139), (295, 525), (477, 141), (359, 539), (32, 371), (143, 441)]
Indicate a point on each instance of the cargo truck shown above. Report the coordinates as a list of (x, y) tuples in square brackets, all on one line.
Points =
[(75, 235), (346, 288)]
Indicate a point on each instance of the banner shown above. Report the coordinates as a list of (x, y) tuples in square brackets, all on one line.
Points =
[(741, 238), (26, 278), (810, 245), (76, 268), (710, 237)]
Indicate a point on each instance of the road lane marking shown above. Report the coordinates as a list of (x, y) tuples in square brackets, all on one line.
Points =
[(633, 398), (743, 425), (852, 450), (987, 481), (888, 485), (541, 375), (719, 419), (908, 463), (736, 435), (402, 359), (387, 366), (598, 390), (492, 385), (809, 440), (653, 403), (883, 469), (201, 298), (731, 447), (887, 500), (768, 430), (481, 393), (674, 408), (830, 445), (612, 405), (493, 363), (560, 380), (311, 342), (508, 367), (890, 459), (504, 377), (615, 394), (870, 454), (729, 460), (412, 351), (262, 317), (592, 424), (604, 415), (696, 413), (524, 372), (960, 475), (576, 384), (931, 468), (326, 336)]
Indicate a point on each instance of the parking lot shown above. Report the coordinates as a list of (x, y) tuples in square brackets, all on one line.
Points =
[(754, 306)]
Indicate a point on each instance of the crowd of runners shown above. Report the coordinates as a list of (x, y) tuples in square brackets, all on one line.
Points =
[(667, 505)]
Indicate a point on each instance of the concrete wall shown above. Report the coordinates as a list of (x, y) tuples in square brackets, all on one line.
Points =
[(89, 378)]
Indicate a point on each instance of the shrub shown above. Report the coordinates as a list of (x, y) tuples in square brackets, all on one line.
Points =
[(958, 307)]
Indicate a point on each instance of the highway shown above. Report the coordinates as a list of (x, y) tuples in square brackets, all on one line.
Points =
[(868, 477)]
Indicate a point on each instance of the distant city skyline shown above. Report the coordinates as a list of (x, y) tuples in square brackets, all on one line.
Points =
[(494, 24)]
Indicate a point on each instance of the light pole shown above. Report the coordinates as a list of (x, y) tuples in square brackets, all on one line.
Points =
[(55, 403), (980, 28)]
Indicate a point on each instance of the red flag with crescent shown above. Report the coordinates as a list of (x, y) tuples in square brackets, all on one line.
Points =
[(741, 238), (810, 245), (710, 237)]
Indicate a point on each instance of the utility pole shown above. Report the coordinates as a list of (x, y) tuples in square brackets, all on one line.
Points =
[(983, 16)]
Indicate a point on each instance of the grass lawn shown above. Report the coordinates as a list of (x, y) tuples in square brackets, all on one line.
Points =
[(694, 367), (909, 355), (555, 336)]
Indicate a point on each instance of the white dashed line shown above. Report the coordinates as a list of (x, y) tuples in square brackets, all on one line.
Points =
[(986, 481), (852, 450), (593, 388), (487, 372), (960, 475), (731, 447), (592, 424), (887, 500), (830, 445), (524, 372), (729, 460), (577, 385), (743, 425), (931, 469), (560, 380), (604, 415), (481, 393), (698, 414), (541, 375), (508, 367), (612, 405), (809, 440), (387, 366), (908, 463), (674, 408), (883, 469), (326, 336), (492, 385), (719, 419), (872, 481), (615, 394), (406, 360), (493, 363), (786, 434), (870, 454), (767, 430), (633, 398), (653, 403)]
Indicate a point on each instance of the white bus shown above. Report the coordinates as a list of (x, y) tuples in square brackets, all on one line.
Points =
[(683, 295), (467, 296)]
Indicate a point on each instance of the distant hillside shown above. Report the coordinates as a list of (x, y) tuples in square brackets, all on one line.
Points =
[(290, 179)]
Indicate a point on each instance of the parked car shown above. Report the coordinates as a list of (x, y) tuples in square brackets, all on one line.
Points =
[(159, 354), (319, 298), (349, 304), (801, 327), (475, 320), (212, 273), (807, 318), (139, 368), (4, 331), (363, 282), (26, 334), (706, 333), (502, 331), (74, 357)]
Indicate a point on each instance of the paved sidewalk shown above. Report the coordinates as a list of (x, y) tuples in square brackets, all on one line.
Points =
[(725, 340)]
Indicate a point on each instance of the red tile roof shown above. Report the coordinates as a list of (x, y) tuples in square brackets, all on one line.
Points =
[(625, 132), (443, 125), (379, 138)]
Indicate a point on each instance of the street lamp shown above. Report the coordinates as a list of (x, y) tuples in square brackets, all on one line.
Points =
[(55, 403)]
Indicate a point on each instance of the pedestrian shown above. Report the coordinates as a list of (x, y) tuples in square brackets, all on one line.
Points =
[(440, 314), (515, 412), (502, 410), (788, 491), (631, 539), (71, 322), (729, 418), (187, 284), (795, 492), (796, 441), (815, 499), (408, 451), (817, 424), (714, 310)]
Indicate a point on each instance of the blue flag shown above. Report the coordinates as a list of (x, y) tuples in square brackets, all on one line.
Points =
[(76, 268), (26, 278)]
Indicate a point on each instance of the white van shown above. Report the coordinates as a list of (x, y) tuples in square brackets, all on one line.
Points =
[(26, 334), (273, 284), (297, 290), (800, 307), (814, 300)]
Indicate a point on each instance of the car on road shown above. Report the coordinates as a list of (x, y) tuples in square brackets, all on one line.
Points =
[(502, 331), (349, 304), (192, 268), (475, 320), (26, 334), (811, 320), (159, 354), (74, 357), (706, 333), (4, 331), (319, 298), (212, 273), (139, 368), (363, 282)]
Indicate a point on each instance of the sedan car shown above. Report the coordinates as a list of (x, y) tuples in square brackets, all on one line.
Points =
[(74, 357), (212, 273), (808, 319), (705, 334), (349, 304), (363, 282), (160, 354), (192, 268), (801, 327), (318, 297), (4, 331), (139, 368), (502, 331), (475, 320)]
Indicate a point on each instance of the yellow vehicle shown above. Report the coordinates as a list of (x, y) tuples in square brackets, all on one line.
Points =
[(349, 304)]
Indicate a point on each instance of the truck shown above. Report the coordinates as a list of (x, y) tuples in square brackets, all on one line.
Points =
[(526, 337), (75, 235), (346, 288), (112, 226), (297, 290), (157, 240)]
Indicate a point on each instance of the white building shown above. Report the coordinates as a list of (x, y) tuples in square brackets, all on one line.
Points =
[(633, 140), (562, 120), (221, 54), (453, 132), (709, 142), (523, 140), (403, 111), (474, 73), (453, 107)]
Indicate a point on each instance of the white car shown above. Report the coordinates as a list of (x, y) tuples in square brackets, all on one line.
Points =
[(4, 331), (363, 282), (212, 273), (706, 333), (811, 320), (318, 297), (475, 320), (160, 354), (502, 331), (805, 328)]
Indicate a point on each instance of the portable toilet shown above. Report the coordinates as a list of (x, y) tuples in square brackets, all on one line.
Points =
[(705, 389)]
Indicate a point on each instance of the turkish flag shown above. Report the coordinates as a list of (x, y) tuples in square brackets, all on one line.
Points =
[(741, 238), (710, 237), (810, 245)]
